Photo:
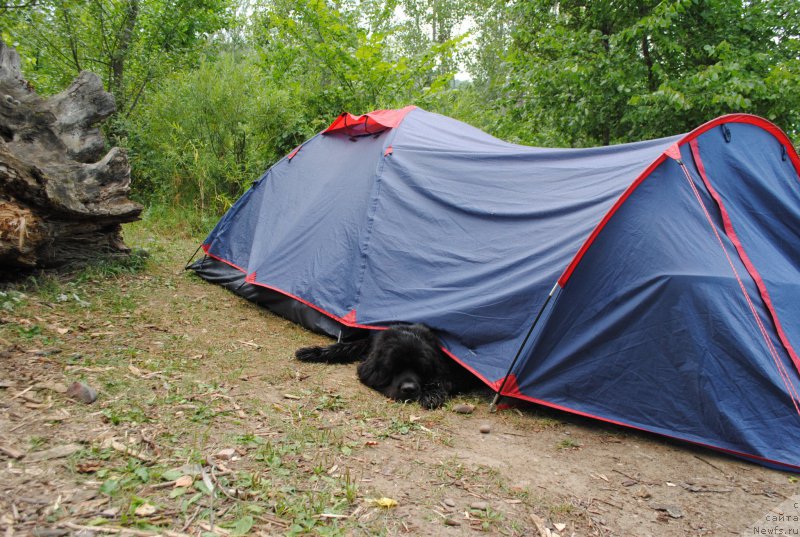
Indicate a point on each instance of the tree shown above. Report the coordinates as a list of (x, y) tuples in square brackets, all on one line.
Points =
[(129, 43), (585, 73), (347, 56)]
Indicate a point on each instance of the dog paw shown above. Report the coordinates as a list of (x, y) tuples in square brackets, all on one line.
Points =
[(309, 354), (432, 400)]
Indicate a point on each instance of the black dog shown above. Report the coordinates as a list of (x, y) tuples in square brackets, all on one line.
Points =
[(403, 362)]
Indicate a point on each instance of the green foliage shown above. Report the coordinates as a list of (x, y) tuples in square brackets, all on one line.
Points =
[(587, 73), (210, 132), (335, 56), (131, 44)]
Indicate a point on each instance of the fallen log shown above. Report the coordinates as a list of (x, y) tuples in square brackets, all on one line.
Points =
[(63, 198)]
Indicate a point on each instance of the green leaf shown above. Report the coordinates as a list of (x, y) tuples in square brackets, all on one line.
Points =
[(109, 487), (142, 473), (199, 485), (180, 491), (242, 526), (171, 475)]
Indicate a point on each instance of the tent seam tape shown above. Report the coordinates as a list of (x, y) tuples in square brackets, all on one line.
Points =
[(378, 181)]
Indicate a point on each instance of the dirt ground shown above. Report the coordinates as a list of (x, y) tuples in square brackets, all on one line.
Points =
[(205, 425)]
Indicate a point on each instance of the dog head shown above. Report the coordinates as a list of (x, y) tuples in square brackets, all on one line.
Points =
[(405, 363)]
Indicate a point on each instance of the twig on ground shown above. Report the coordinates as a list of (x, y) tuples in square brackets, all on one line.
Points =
[(714, 466), (269, 519), (131, 531), (191, 519), (122, 448)]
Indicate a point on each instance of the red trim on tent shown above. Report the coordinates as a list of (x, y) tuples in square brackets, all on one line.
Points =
[(291, 155), (509, 385), (468, 367), (562, 281), (369, 123), (207, 247), (731, 233), (343, 320), (347, 320), (556, 406), (672, 153)]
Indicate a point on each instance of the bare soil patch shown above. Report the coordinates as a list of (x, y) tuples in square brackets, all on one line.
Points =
[(205, 424)]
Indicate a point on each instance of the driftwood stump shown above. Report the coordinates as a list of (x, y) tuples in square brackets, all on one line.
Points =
[(62, 197)]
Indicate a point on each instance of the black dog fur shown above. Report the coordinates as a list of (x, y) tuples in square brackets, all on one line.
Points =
[(403, 362)]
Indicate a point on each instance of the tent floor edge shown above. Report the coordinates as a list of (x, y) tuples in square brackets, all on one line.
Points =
[(215, 271)]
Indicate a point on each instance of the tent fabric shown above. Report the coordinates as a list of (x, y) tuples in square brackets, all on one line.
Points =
[(662, 274), (371, 123)]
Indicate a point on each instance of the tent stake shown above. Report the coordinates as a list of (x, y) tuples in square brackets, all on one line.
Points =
[(493, 404)]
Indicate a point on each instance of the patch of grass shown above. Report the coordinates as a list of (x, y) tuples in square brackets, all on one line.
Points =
[(125, 414), (333, 402), (37, 442), (29, 332), (561, 509), (568, 443), (11, 300), (488, 517)]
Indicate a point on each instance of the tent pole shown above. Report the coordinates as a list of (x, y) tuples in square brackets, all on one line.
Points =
[(498, 396), (190, 259)]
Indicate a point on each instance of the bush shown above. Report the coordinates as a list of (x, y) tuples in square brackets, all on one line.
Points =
[(207, 134)]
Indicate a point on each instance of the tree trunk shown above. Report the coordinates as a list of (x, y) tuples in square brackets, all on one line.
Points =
[(62, 198), (120, 54)]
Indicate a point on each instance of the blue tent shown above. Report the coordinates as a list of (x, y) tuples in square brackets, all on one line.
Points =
[(653, 285)]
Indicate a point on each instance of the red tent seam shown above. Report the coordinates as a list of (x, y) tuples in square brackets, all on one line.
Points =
[(751, 269), (670, 152)]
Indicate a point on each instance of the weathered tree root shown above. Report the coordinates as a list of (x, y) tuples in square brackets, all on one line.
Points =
[(62, 197)]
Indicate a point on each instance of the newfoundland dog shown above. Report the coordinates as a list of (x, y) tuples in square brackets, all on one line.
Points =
[(404, 362)]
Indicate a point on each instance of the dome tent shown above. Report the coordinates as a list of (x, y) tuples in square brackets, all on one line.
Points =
[(652, 285)]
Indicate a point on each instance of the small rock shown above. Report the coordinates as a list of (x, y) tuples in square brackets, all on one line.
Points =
[(642, 493), (479, 506), (57, 387), (629, 483), (451, 522), (46, 352), (194, 470), (485, 428), (225, 454), (111, 512), (672, 510), (559, 526), (464, 408), (80, 391), (449, 502)]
